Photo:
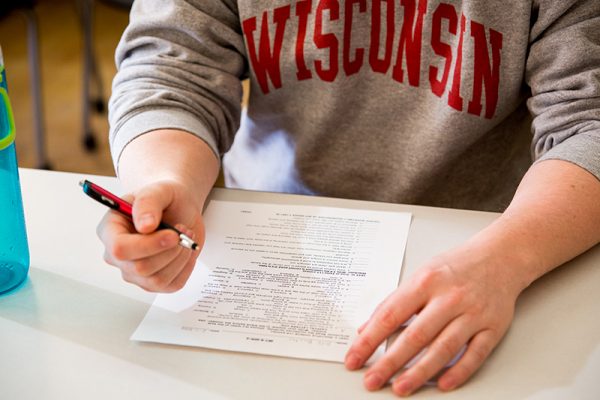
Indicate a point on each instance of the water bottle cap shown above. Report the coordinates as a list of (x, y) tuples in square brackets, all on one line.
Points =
[(7, 122)]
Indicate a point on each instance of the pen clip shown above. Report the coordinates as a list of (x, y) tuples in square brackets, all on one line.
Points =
[(90, 190)]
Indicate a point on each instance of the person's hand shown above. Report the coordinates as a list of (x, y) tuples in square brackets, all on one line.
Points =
[(465, 297), (153, 259)]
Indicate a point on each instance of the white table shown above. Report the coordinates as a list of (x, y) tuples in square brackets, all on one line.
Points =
[(65, 334)]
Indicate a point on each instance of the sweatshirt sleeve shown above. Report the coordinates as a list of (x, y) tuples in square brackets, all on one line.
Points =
[(563, 72), (180, 65)]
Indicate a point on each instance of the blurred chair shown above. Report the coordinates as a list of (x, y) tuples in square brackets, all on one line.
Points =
[(26, 7), (93, 87)]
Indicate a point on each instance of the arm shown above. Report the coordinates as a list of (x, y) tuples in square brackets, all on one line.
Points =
[(467, 295), (179, 67), (169, 175), (554, 216), (174, 110)]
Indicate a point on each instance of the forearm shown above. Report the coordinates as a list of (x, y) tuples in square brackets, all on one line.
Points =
[(554, 216), (169, 155)]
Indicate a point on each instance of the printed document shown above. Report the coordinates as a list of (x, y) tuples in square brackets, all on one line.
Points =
[(285, 280)]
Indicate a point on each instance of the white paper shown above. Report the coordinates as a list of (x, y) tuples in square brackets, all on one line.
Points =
[(284, 280)]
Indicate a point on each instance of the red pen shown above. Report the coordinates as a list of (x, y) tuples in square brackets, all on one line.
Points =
[(116, 203)]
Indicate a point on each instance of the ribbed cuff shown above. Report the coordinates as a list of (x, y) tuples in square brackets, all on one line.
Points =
[(582, 149)]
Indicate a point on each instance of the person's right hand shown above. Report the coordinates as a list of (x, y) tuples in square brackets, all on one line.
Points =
[(148, 258)]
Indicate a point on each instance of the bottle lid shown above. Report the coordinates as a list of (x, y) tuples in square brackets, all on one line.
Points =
[(7, 122)]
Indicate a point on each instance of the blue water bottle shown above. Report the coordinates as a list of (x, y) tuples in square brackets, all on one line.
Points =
[(14, 251)]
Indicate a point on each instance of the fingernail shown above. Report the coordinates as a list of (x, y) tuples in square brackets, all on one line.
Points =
[(403, 388), (185, 230), (373, 381), (362, 327), (353, 361), (146, 220), (166, 242), (447, 384)]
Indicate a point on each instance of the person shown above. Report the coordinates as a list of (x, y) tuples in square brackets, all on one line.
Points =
[(411, 101)]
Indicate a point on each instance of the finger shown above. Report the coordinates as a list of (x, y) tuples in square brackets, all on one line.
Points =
[(441, 352), (418, 335), (160, 281), (478, 349), (386, 319), (362, 327), (111, 226), (132, 246), (137, 271), (181, 279), (113, 223), (148, 266), (123, 243), (148, 206), (108, 258), (377, 308)]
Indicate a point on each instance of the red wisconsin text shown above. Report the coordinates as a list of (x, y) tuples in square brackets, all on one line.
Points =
[(340, 58)]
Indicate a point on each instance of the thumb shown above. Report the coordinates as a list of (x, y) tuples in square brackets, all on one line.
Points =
[(148, 206)]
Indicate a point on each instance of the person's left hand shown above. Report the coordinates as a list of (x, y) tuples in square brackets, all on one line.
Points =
[(464, 297)]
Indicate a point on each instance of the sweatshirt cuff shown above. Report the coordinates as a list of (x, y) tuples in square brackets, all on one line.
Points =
[(148, 121), (582, 149)]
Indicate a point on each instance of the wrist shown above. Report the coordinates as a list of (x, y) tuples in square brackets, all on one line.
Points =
[(170, 156), (503, 252), (497, 257)]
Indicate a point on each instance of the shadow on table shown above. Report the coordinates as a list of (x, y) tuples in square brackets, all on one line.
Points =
[(545, 350), (104, 321), (553, 344)]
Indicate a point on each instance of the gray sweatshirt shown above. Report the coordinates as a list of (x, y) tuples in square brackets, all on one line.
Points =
[(407, 101)]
